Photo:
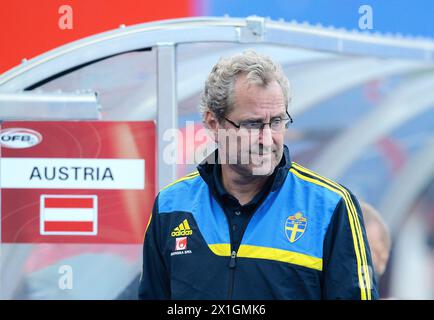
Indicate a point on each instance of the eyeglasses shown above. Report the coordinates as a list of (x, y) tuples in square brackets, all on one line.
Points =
[(276, 124)]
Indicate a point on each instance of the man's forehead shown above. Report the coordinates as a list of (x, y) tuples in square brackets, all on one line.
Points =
[(259, 94), (260, 107), (264, 114), (243, 83)]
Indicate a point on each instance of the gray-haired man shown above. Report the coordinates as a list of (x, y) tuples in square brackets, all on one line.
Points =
[(252, 224)]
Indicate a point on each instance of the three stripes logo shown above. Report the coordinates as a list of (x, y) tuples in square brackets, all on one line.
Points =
[(182, 230)]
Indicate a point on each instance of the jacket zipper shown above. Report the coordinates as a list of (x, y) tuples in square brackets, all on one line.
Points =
[(233, 259), (232, 265)]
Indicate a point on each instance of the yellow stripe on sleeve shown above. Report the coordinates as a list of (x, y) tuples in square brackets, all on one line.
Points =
[(359, 247), (187, 177)]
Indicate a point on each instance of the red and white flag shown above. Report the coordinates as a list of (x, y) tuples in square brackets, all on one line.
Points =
[(69, 215)]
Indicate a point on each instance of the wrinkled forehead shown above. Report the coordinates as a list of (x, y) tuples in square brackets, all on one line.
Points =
[(258, 99)]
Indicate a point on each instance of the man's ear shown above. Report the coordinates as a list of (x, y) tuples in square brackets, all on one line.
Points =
[(212, 124)]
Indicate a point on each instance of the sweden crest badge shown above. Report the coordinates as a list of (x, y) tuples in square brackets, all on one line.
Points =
[(295, 226)]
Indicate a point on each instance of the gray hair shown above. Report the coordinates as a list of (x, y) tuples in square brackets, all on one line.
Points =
[(217, 95)]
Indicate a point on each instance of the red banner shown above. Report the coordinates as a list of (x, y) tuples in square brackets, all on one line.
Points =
[(32, 27)]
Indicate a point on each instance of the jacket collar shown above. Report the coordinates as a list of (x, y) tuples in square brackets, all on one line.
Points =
[(208, 166)]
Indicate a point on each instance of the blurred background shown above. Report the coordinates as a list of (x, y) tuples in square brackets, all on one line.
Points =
[(363, 113)]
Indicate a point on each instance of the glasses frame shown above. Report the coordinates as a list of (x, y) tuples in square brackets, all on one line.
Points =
[(238, 125)]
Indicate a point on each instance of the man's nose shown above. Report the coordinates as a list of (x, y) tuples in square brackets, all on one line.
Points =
[(265, 135)]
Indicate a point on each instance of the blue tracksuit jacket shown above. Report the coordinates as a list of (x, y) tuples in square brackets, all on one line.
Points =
[(305, 240)]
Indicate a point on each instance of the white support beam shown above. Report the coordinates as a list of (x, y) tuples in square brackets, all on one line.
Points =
[(58, 106), (167, 110)]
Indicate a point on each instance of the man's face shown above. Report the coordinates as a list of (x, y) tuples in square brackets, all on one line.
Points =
[(264, 150)]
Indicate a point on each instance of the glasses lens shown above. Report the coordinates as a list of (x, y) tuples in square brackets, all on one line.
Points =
[(277, 124), (252, 125)]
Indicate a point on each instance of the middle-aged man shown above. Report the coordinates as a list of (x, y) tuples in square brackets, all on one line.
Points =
[(251, 224)]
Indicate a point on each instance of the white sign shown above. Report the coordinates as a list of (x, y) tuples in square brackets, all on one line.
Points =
[(67, 173)]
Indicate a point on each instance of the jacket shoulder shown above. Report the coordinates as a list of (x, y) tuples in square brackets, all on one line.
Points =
[(314, 180), (178, 194)]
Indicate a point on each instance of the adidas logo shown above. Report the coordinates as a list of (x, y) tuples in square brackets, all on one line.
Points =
[(182, 230)]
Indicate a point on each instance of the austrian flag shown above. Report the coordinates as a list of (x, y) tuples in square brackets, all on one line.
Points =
[(68, 215)]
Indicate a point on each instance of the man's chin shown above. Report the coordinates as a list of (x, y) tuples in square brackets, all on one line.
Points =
[(264, 167), (264, 170)]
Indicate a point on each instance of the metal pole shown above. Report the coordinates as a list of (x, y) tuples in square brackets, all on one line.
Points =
[(167, 111)]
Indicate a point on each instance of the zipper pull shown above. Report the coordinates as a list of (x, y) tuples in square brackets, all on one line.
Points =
[(232, 262)]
